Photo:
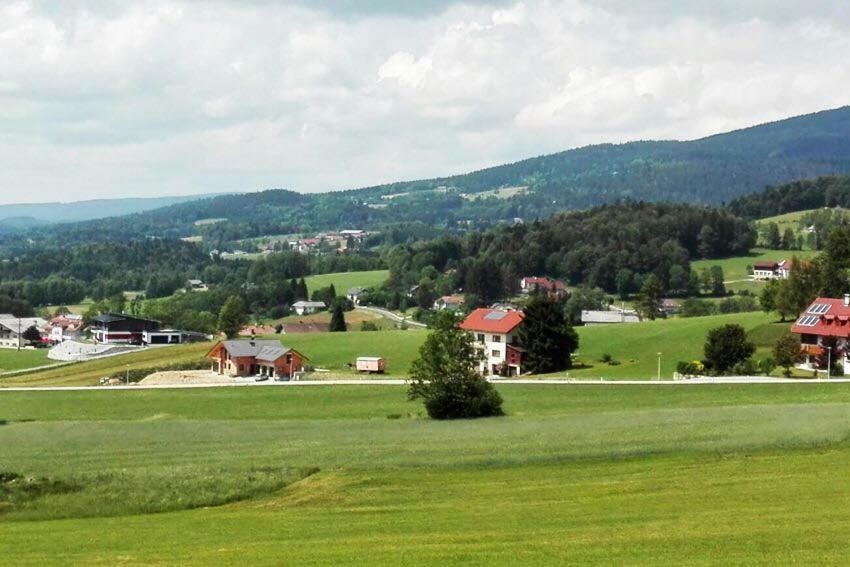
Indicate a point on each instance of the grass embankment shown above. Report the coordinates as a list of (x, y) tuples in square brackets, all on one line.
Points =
[(90, 372), (12, 359), (354, 319), (615, 474), (343, 281)]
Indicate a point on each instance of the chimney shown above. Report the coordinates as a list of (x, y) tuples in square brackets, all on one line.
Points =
[(847, 300)]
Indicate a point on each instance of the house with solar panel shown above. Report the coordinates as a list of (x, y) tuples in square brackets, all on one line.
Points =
[(265, 359), (824, 329), (495, 332)]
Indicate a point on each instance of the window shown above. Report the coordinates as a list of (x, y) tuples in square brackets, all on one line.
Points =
[(289, 359), (497, 339), (495, 354), (480, 337)]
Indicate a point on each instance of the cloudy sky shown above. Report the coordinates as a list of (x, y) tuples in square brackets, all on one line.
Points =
[(108, 98)]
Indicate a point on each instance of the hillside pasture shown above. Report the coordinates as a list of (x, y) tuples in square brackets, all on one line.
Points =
[(343, 281), (320, 475)]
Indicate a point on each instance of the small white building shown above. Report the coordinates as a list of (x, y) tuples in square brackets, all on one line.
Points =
[(590, 318), (771, 270), (355, 295), (308, 307), (448, 302)]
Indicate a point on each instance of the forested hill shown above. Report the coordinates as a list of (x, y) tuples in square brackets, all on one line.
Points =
[(707, 171), (803, 195)]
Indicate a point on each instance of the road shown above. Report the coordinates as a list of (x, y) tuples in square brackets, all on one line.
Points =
[(392, 316), (397, 382)]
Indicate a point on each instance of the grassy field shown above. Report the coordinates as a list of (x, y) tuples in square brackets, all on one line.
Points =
[(636, 346), (353, 318), (11, 359), (714, 474), (343, 281), (792, 220)]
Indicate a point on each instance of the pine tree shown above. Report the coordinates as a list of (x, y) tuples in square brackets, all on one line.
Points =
[(303, 294), (338, 324), (546, 337)]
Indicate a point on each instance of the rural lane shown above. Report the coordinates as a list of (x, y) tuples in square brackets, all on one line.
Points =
[(397, 382)]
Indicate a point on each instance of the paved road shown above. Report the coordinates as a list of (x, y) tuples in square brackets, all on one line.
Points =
[(397, 382), (392, 316)]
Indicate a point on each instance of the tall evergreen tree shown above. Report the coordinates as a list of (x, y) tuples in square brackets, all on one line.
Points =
[(338, 324), (546, 336)]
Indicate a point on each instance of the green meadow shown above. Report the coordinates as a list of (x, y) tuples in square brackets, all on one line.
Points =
[(698, 474), (736, 268), (343, 281), (12, 359)]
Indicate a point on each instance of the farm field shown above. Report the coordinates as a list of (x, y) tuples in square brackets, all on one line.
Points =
[(328, 475), (792, 220), (343, 281), (11, 359)]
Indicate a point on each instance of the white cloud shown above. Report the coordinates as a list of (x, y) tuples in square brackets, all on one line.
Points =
[(176, 96)]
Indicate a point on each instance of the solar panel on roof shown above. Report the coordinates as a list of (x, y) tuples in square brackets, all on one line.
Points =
[(495, 316), (808, 321), (819, 308)]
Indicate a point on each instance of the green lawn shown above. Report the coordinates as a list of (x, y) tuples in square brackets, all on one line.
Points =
[(792, 220), (343, 281), (11, 359), (716, 474)]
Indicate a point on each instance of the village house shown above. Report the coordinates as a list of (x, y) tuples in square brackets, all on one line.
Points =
[(824, 329), (112, 328), (771, 270), (495, 332), (355, 295), (13, 328), (448, 302), (308, 307), (64, 327), (264, 358), (547, 285)]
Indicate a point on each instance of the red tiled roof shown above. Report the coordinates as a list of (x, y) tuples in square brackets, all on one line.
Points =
[(826, 317), (766, 265), (545, 283), (492, 321)]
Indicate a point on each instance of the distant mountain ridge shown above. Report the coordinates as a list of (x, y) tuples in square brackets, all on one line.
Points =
[(710, 171), (32, 214)]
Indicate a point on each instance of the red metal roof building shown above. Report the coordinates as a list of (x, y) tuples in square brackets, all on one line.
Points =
[(495, 333), (536, 283), (824, 329)]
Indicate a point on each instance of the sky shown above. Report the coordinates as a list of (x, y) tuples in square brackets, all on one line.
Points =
[(113, 98)]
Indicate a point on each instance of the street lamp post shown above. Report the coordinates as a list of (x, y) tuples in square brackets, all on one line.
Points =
[(828, 362), (658, 377)]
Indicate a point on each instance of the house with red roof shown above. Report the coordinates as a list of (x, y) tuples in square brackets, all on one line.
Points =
[(495, 332), (544, 284), (824, 329)]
